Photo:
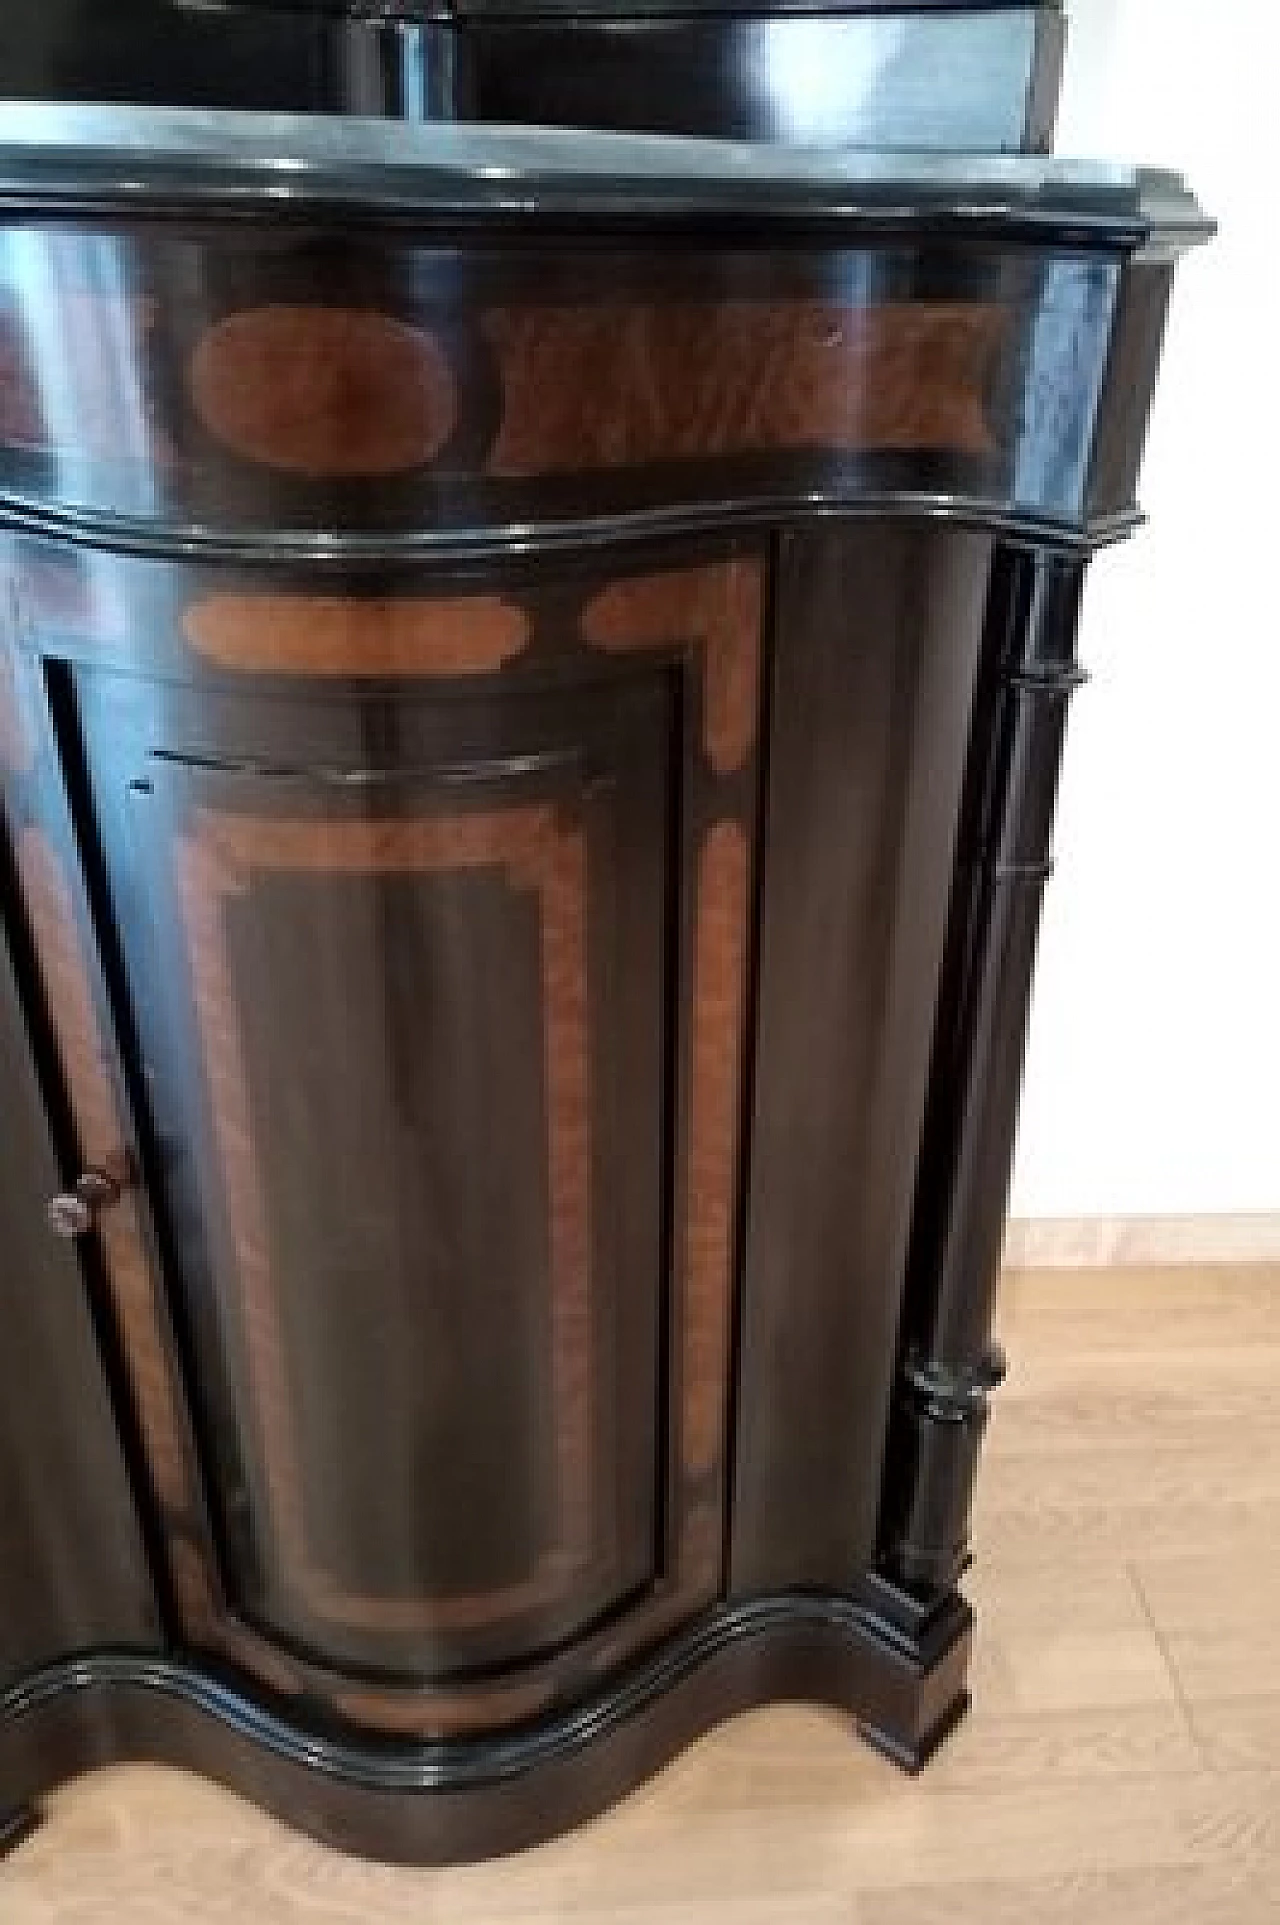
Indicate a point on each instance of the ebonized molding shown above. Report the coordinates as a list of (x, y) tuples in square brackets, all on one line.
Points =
[(438, 1803), (978, 78)]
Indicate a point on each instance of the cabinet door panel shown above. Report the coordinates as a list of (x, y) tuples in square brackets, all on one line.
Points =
[(73, 1571), (399, 975)]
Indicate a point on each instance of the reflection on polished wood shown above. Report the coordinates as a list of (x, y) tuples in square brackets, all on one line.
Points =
[(99, 1128), (216, 862), (1120, 1763), (417, 1715), (76, 385), (352, 636), (16, 755), (615, 386), (324, 391), (720, 606)]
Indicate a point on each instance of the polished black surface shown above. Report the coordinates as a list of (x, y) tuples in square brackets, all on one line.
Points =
[(884, 627), (923, 75), (151, 158), (873, 339), (73, 1570), (421, 1802), (534, 684)]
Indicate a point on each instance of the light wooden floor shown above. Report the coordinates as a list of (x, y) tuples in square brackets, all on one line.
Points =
[(1122, 1763)]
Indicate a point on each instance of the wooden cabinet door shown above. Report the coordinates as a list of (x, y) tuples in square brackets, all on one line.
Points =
[(400, 976), (73, 1569)]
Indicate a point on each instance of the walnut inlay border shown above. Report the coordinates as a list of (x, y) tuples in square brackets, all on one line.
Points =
[(720, 608), (324, 390), (719, 994), (217, 860), (70, 1002), (611, 386), (344, 635)]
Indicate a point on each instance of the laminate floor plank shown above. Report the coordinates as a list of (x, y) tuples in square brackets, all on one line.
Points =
[(1122, 1762)]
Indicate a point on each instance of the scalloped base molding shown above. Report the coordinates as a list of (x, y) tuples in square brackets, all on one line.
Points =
[(433, 1803), (1086, 1243)]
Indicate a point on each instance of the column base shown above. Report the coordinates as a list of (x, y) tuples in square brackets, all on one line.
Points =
[(912, 1754), (18, 1825)]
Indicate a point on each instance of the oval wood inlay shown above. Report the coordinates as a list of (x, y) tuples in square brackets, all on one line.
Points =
[(719, 605), (340, 635), (606, 386), (324, 391), (720, 961)]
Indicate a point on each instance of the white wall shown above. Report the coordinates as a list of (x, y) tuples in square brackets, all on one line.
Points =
[(1153, 1071)]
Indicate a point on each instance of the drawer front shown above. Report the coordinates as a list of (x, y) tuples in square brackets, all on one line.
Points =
[(384, 387)]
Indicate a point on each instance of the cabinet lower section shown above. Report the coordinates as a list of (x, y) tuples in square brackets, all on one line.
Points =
[(465, 1798), (551, 1272)]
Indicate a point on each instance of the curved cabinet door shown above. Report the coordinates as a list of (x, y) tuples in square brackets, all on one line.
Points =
[(398, 973), (73, 1572)]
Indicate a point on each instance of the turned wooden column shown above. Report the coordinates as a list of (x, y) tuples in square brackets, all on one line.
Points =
[(949, 1361)]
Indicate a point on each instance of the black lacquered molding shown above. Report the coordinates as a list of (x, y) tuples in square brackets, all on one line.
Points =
[(499, 1793), (333, 550), (980, 78), (949, 1364), (94, 158)]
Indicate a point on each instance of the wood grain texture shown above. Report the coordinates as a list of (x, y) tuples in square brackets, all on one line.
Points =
[(718, 611), (101, 1133), (343, 635), (721, 607), (1103, 1775), (720, 966), (73, 1569), (1076, 1243), (613, 386), (216, 862), (324, 391)]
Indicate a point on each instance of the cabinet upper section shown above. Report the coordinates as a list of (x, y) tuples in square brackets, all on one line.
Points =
[(441, 336), (881, 73)]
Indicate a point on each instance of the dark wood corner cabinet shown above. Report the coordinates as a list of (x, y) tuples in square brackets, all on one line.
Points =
[(533, 675)]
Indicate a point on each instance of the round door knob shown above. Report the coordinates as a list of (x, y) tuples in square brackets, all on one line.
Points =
[(74, 1212)]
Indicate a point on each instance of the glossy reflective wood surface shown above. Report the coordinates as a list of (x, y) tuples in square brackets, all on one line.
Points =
[(882, 75), (533, 686), (73, 1570), (440, 1003), (403, 1015), (411, 392), (886, 627), (225, 53)]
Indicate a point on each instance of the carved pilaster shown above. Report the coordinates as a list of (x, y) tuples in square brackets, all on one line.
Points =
[(948, 1364)]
